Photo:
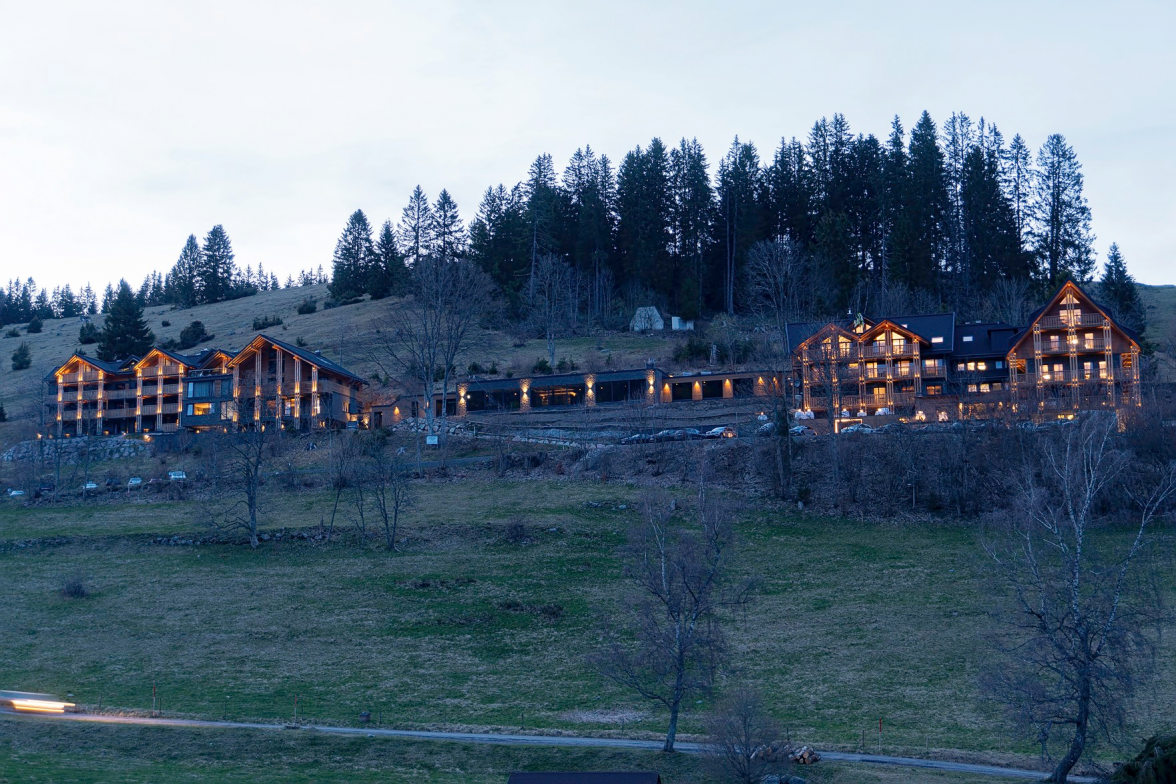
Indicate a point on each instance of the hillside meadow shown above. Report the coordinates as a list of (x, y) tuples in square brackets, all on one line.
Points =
[(469, 626)]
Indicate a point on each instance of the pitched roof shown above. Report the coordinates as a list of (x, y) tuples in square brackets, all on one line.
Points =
[(592, 777), (103, 365), (307, 356), (929, 326)]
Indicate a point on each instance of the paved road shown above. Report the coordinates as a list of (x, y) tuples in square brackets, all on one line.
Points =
[(562, 740)]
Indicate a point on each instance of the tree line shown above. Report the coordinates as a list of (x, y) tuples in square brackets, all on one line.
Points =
[(937, 218)]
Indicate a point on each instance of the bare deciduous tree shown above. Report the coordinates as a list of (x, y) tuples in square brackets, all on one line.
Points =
[(422, 339), (741, 733), (248, 453), (553, 298), (774, 272), (1075, 636), (390, 487), (681, 583)]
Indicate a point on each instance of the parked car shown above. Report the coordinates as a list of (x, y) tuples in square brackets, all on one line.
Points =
[(637, 438), (692, 433), (134, 483), (726, 431), (766, 429), (670, 435), (858, 429), (176, 476), (89, 486), (801, 430), (14, 493)]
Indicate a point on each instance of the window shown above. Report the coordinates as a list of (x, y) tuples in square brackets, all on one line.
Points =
[(971, 366), (933, 367), (200, 409), (967, 338), (1102, 369), (1089, 339), (999, 364), (200, 389), (985, 388), (961, 367), (971, 388), (937, 339), (982, 366), (933, 389), (997, 386)]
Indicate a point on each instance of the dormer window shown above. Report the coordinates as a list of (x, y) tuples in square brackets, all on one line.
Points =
[(937, 339), (967, 338)]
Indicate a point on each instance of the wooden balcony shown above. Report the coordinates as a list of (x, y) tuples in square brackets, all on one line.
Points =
[(1085, 320), (149, 410), (1082, 346), (171, 408)]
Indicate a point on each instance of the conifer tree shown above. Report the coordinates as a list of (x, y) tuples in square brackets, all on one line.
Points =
[(125, 333), (387, 273), (22, 358), (691, 205), (1018, 183), (414, 233), (738, 184), (107, 298), (986, 219), (217, 268), (352, 259), (1061, 233), (446, 229), (925, 217), (1120, 293)]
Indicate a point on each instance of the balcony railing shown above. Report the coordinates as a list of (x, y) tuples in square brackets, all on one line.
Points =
[(149, 410), (1081, 346), (171, 408), (171, 389), (1084, 320)]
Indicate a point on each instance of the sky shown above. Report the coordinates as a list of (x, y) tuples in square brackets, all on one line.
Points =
[(125, 127)]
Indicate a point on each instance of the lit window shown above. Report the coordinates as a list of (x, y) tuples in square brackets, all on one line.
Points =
[(971, 387), (971, 366), (961, 367), (985, 387), (967, 338), (937, 339), (982, 366), (999, 364)]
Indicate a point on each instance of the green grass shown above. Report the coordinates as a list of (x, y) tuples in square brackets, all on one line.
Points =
[(61, 754), (853, 621)]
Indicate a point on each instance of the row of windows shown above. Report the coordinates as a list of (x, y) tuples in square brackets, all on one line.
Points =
[(981, 366)]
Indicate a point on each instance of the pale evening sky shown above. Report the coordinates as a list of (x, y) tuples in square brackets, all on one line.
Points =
[(125, 127)]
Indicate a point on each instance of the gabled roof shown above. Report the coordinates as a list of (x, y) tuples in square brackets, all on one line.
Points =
[(306, 356), (176, 357), (103, 365), (1019, 337), (593, 777), (830, 328), (895, 327)]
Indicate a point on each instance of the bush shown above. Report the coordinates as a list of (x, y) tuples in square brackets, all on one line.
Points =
[(300, 342), (3, 413), (331, 303), (192, 334), (74, 588), (12, 333), (1156, 764), (308, 306), (166, 323), (516, 532), (34, 326), (474, 369), (22, 358), (543, 367), (266, 321), (88, 334), (566, 365)]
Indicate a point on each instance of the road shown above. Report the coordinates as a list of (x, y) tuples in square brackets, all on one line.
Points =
[(560, 740)]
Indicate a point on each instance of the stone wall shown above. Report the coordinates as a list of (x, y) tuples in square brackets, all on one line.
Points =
[(74, 449)]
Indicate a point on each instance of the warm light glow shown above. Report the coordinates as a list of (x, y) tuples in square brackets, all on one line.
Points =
[(41, 706)]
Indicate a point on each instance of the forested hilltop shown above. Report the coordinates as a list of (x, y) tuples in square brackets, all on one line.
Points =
[(943, 217)]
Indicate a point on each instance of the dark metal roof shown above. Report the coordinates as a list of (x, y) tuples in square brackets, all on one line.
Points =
[(987, 339), (935, 325), (554, 380), (594, 777)]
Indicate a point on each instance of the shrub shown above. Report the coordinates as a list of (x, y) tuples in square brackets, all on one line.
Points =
[(12, 333), (88, 334), (493, 371), (1156, 764), (308, 306), (566, 365), (74, 588), (3, 413), (192, 334), (516, 531), (34, 326), (22, 358), (266, 321), (474, 369), (542, 366), (300, 342), (166, 323)]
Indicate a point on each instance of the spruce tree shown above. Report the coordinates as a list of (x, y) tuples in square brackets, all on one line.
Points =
[(923, 236), (22, 358), (1061, 232), (1018, 184), (1119, 291), (107, 298), (387, 273), (125, 333), (185, 275), (352, 259), (3, 413), (446, 229), (217, 268), (986, 219), (414, 233)]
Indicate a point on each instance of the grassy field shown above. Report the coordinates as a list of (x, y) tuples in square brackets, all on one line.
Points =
[(66, 754), (464, 629)]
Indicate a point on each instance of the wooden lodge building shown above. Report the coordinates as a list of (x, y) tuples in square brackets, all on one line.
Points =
[(267, 381), (1071, 355)]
